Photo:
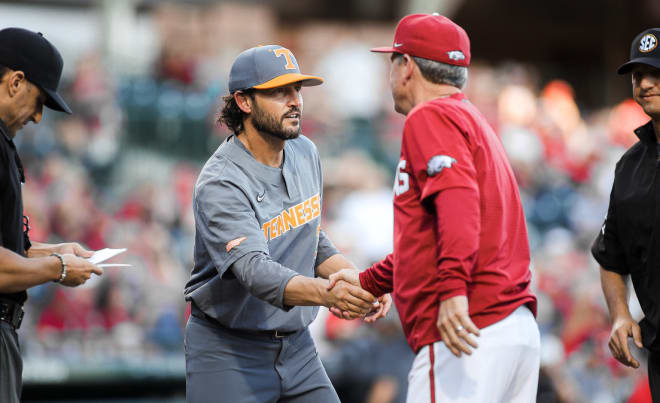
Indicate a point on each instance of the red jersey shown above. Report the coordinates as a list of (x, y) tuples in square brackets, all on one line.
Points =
[(459, 227)]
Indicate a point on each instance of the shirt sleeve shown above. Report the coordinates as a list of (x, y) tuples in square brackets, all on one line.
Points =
[(325, 249), (263, 277), (606, 248), (459, 224), (438, 151), (378, 278), (226, 223)]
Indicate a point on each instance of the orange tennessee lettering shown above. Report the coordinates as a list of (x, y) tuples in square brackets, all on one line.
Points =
[(316, 206), (289, 219), (274, 229), (266, 227), (308, 210), (299, 214), (280, 225), (287, 54)]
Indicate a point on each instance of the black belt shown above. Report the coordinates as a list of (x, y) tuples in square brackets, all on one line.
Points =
[(278, 334), (11, 312)]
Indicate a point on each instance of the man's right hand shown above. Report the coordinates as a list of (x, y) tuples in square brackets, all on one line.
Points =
[(622, 329), (351, 299), (78, 270)]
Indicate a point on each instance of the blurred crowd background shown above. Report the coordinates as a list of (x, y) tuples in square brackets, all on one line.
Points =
[(144, 79)]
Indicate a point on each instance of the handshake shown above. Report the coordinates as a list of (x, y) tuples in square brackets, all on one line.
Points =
[(347, 300)]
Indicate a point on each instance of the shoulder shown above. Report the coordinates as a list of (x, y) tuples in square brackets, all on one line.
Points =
[(438, 111), (220, 178), (632, 155)]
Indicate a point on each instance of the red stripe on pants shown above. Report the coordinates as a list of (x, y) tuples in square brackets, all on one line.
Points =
[(431, 373)]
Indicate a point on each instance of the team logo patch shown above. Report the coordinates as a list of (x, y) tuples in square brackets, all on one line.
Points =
[(648, 43), (456, 55), (234, 243), (438, 163)]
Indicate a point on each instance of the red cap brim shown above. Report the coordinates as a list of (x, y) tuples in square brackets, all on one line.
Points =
[(385, 49)]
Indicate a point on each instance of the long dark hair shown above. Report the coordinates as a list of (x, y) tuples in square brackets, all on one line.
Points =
[(231, 115)]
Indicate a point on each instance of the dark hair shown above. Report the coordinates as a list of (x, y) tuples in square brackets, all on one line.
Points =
[(231, 115), (3, 70), (437, 72)]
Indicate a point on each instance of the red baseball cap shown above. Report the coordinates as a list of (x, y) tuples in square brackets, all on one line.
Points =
[(431, 36)]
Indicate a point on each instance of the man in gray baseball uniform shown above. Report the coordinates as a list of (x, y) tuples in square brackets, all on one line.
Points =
[(261, 258)]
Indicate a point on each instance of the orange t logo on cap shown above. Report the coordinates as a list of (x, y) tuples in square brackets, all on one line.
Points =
[(287, 53)]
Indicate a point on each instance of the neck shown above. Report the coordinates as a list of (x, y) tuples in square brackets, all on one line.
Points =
[(265, 148), (425, 91)]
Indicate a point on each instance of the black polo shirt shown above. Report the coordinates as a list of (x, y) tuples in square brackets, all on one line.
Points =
[(11, 202), (629, 241)]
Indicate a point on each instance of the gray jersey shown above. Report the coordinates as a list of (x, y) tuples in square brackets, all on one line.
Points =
[(256, 228)]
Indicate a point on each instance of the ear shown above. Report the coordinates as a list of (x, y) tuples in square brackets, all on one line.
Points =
[(408, 68), (243, 101), (15, 82)]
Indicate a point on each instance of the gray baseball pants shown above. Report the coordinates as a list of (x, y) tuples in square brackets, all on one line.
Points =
[(226, 365)]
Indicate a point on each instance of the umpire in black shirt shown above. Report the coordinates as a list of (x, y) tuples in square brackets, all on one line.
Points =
[(629, 241), (30, 70)]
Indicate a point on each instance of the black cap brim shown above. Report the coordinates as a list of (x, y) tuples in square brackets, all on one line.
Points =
[(54, 101), (626, 67)]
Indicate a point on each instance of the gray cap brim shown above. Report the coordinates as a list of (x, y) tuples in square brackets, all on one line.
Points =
[(627, 67)]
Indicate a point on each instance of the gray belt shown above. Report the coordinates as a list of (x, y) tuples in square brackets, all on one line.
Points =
[(278, 334)]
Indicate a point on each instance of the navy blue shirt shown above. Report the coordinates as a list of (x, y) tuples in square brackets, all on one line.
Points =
[(11, 202)]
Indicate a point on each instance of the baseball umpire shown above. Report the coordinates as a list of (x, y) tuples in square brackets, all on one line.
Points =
[(259, 247), (627, 244), (460, 266), (30, 70)]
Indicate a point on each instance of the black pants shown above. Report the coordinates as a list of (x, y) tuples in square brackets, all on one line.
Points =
[(11, 365), (654, 375)]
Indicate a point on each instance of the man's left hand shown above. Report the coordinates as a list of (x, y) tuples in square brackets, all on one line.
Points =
[(455, 325)]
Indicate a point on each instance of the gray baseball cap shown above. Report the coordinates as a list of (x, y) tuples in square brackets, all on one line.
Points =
[(265, 67)]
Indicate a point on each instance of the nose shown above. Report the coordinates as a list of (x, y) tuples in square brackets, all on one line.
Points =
[(294, 98), (647, 81)]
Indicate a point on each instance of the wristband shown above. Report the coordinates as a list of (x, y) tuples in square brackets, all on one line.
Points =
[(63, 275)]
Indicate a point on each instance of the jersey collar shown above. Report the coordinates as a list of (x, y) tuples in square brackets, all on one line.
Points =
[(646, 134), (3, 130)]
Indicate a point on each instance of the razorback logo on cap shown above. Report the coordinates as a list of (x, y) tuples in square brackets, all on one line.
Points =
[(456, 55), (648, 43), (234, 243)]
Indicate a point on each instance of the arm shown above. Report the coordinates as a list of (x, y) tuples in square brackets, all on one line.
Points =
[(39, 249), (378, 278), (459, 223), (303, 290), (623, 326), (18, 273), (282, 287)]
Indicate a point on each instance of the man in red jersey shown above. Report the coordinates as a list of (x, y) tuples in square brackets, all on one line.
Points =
[(460, 267)]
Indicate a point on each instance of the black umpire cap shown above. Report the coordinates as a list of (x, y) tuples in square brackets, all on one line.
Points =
[(32, 54), (644, 50)]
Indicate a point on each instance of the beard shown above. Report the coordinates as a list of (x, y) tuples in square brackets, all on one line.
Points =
[(269, 124)]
